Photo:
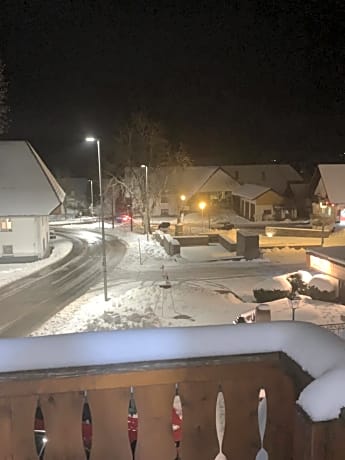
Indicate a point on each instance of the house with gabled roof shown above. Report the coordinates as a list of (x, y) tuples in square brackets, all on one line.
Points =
[(256, 202), (328, 192), (197, 183), (275, 176), (217, 185), (29, 193)]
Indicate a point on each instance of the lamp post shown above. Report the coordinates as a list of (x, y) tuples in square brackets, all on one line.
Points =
[(183, 199), (146, 200), (91, 192), (202, 206), (113, 205), (104, 255), (293, 300)]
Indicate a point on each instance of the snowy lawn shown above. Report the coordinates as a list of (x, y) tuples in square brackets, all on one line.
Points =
[(201, 293)]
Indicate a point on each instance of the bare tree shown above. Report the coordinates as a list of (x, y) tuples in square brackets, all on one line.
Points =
[(143, 141), (3, 100)]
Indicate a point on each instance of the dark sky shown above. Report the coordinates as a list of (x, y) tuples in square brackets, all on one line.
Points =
[(235, 80)]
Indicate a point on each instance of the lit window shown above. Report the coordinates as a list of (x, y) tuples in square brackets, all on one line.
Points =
[(5, 225)]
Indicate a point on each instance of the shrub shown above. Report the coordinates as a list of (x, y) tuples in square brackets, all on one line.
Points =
[(272, 289), (323, 287)]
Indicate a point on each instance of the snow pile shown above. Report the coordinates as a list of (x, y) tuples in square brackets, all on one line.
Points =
[(322, 400), (324, 283), (277, 283), (304, 276), (16, 271)]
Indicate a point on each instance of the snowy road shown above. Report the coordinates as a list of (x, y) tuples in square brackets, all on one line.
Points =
[(26, 304)]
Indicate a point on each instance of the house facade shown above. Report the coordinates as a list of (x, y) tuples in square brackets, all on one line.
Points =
[(329, 193), (29, 193), (273, 186), (257, 203)]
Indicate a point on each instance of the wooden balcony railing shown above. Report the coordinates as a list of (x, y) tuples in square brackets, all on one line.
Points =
[(236, 404)]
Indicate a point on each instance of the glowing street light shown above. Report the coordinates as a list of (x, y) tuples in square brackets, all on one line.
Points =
[(202, 206), (104, 255)]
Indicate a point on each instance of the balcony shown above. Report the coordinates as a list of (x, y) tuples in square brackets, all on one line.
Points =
[(236, 390)]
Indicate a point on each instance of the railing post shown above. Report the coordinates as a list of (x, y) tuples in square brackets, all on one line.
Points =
[(317, 440)]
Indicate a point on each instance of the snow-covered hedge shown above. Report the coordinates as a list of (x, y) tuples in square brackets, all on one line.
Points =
[(323, 287), (272, 289)]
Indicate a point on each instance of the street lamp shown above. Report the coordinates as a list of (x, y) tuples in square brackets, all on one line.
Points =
[(104, 255), (293, 300), (146, 200), (202, 206), (183, 199), (91, 192)]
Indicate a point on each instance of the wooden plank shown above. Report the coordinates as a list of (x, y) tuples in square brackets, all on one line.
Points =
[(241, 438), (154, 405), (335, 439), (109, 411), (199, 438), (62, 418), (6, 429), (111, 376), (23, 420), (280, 395)]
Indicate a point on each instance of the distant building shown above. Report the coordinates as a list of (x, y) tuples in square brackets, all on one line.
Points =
[(78, 195), (29, 193), (220, 187), (275, 176), (328, 193), (258, 203)]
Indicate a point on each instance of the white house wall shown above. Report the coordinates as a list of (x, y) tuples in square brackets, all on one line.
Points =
[(320, 190), (29, 238)]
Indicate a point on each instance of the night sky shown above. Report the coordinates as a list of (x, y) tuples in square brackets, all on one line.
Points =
[(236, 81)]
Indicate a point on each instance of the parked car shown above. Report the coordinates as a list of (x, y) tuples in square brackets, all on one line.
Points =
[(123, 218)]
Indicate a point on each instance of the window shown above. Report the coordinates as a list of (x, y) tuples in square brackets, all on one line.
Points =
[(7, 250), (164, 199), (5, 225)]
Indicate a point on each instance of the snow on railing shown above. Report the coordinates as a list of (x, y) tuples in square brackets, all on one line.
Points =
[(317, 351)]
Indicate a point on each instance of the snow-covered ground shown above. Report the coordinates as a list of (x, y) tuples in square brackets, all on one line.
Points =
[(201, 292), (14, 272)]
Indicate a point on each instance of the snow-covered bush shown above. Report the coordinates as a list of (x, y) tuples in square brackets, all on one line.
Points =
[(299, 281), (272, 289), (323, 287)]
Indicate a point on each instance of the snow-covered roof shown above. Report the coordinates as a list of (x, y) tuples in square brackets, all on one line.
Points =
[(27, 187), (274, 176), (322, 399), (188, 180), (250, 191), (332, 182), (219, 181), (193, 179)]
